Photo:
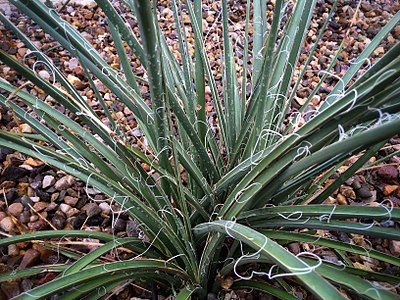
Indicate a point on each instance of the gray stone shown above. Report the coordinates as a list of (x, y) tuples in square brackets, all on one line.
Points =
[(92, 209)]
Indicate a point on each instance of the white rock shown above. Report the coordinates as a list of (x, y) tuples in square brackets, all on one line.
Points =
[(48, 180), (64, 207), (44, 74), (35, 199)]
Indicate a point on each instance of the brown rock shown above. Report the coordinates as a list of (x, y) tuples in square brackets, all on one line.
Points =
[(13, 250), (64, 182), (47, 255), (294, 248), (226, 282), (58, 220), (33, 163), (70, 200), (364, 192), (348, 192), (72, 212), (30, 258), (2, 215), (15, 209), (395, 248), (389, 189), (7, 224), (65, 207), (76, 82), (92, 209), (37, 225), (39, 206), (341, 199)]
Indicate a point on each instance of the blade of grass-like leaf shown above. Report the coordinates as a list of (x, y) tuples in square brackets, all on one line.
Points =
[(96, 288), (185, 293), (126, 66), (351, 227), (210, 170), (97, 253), (333, 211), (187, 67), (352, 282), (283, 70), (311, 53), (258, 178), (133, 268), (253, 116), (65, 122), (70, 149), (208, 71), (18, 274), (333, 244), (232, 105), (342, 148), (151, 46), (76, 44), (199, 72), (263, 287), (56, 234), (245, 60), (260, 28), (113, 287), (264, 246)]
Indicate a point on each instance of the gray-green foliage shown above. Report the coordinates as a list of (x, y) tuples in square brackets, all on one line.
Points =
[(242, 182)]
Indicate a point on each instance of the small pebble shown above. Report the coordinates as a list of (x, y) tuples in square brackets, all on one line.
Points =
[(48, 180), (105, 208), (78, 221), (64, 182), (65, 207), (395, 248), (364, 192), (92, 209), (58, 220), (341, 199), (70, 200), (24, 217), (44, 74), (72, 212), (35, 199), (15, 209), (7, 224), (39, 206), (13, 250), (30, 258)]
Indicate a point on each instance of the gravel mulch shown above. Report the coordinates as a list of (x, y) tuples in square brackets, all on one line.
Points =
[(36, 197)]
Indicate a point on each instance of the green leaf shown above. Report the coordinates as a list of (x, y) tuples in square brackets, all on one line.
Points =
[(284, 259)]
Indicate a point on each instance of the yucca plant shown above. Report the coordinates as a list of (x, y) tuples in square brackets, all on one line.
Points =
[(214, 200)]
